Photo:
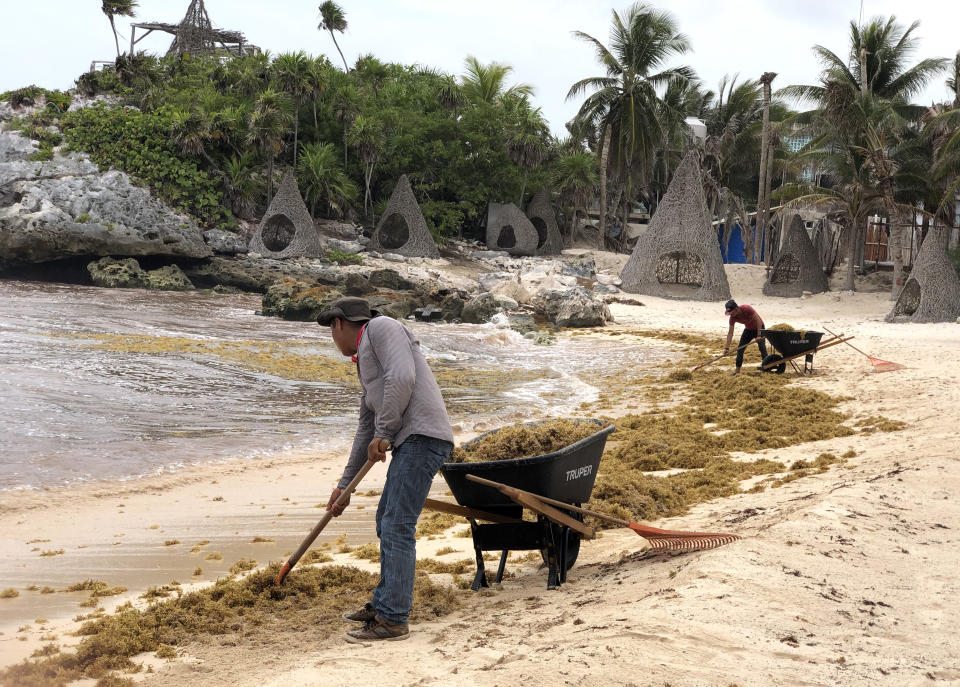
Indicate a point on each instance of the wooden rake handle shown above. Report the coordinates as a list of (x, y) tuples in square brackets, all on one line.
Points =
[(327, 517)]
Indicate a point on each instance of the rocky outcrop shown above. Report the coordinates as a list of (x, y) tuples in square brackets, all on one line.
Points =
[(67, 208), (247, 273), (225, 242), (481, 308), (571, 308), (296, 300), (126, 273)]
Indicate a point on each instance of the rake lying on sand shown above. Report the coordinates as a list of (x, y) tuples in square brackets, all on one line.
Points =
[(672, 540), (878, 365)]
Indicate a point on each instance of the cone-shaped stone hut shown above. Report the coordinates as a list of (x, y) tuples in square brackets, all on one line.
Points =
[(509, 229), (544, 220), (402, 229), (679, 255), (932, 293), (287, 229), (797, 267)]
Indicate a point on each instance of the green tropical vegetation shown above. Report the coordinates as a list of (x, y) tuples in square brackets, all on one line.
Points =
[(213, 134)]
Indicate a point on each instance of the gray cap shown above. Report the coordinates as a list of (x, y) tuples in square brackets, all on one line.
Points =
[(349, 308)]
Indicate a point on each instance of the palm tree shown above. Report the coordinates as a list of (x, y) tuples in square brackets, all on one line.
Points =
[(853, 198), (318, 80), (270, 120), (191, 131), (486, 83), (367, 136), (333, 19), (575, 177), (527, 140), (623, 102), (953, 82), (322, 179), (346, 106), (766, 167), (240, 185), (862, 106), (293, 76), (117, 8)]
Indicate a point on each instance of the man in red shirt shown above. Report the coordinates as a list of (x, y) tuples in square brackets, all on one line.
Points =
[(752, 324)]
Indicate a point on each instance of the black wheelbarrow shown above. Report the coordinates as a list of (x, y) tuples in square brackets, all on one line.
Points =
[(791, 345), (566, 475)]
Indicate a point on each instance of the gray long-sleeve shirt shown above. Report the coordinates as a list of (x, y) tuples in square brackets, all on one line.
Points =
[(400, 395)]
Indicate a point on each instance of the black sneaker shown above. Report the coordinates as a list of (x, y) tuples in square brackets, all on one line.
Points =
[(376, 630), (361, 615)]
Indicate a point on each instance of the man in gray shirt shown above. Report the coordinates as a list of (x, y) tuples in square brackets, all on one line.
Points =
[(401, 410)]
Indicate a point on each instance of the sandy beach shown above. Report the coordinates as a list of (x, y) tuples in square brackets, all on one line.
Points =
[(841, 578)]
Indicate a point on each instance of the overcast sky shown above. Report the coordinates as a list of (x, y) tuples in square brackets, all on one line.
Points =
[(49, 42)]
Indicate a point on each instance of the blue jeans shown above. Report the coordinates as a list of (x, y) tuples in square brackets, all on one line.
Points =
[(745, 338), (412, 468)]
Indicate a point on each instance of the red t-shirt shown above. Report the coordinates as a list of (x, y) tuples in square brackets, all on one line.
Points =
[(748, 317)]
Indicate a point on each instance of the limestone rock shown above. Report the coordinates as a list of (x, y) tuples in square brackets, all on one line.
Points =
[(250, 273), (349, 247), (224, 242), (299, 301), (356, 284), (452, 307), (168, 278), (67, 208), (390, 279), (572, 308), (480, 309), (490, 280), (113, 273)]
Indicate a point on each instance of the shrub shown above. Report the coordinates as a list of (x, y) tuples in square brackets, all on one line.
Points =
[(139, 144), (342, 258), (444, 219)]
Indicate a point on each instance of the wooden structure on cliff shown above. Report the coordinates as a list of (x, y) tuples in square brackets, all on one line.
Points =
[(195, 35)]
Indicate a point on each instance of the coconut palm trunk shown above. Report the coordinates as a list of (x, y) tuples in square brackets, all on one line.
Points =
[(116, 40), (604, 156), (763, 191)]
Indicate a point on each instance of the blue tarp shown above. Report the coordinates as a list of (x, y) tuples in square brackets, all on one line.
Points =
[(733, 251)]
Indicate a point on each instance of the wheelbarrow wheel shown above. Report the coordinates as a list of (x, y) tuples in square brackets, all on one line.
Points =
[(770, 360), (573, 543)]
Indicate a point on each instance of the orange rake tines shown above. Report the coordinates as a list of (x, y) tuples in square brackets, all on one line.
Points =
[(675, 540), (665, 540)]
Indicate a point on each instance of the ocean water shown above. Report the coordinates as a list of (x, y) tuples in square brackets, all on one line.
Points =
[(73, 411)]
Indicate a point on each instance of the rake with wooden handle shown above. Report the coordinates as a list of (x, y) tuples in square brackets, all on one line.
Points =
[(673, 540), (713, 360), (327, 517)]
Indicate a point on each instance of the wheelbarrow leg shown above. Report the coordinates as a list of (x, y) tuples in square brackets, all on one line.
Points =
[(502, 566), (562, 552), (480, 579), (553, 570)]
